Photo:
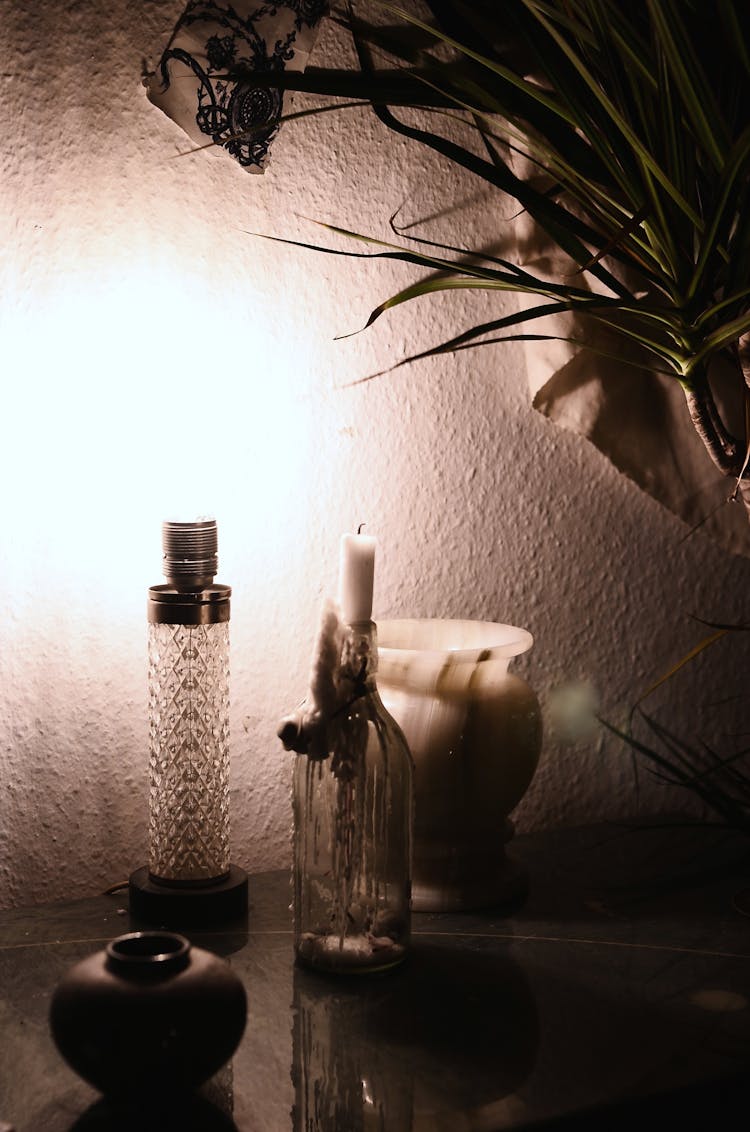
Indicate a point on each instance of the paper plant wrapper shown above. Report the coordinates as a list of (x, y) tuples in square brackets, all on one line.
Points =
[(192, 83), (637, 418)]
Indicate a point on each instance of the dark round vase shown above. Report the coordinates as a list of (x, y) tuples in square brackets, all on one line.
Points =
[(149, 1013)]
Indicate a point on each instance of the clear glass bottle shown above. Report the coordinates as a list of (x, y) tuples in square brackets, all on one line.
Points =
[(353, 828)]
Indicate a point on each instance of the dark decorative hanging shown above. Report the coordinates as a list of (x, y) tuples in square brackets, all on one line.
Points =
[(213, 42)]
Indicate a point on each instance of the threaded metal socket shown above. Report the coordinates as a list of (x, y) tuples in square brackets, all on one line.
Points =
[(190, 553)]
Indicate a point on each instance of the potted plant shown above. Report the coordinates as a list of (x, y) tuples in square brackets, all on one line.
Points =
[(623, 132)]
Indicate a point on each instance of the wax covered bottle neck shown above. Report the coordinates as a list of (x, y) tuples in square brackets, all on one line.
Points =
[(359, 656)]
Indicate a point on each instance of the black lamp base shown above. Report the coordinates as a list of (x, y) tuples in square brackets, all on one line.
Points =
[(188, 905)]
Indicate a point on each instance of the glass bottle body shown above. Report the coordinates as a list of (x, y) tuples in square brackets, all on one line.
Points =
[(353, 828), (189, 752)]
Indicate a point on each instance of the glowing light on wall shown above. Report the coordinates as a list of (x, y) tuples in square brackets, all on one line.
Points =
[(132, 399)]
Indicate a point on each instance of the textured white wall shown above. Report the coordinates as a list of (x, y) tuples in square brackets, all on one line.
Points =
[(155, 356)]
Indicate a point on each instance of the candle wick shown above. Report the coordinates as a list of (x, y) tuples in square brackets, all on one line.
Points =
[(359, 528)]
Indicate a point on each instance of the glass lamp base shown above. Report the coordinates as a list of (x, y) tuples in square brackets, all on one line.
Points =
[(184, 905)]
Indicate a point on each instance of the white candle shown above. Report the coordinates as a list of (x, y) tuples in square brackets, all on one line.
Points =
[(356, 574)]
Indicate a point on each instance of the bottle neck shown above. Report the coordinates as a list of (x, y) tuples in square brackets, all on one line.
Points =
[(359, 656)]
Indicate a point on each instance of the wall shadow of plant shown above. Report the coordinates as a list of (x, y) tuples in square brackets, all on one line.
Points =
[(717, 772)]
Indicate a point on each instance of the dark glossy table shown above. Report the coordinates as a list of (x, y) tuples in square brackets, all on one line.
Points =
[(620, 989)]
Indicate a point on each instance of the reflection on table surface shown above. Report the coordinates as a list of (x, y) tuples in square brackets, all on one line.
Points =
[(624, 980)]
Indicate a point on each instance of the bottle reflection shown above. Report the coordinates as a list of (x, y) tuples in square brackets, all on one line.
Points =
[(453, 1032), (343, 1075)]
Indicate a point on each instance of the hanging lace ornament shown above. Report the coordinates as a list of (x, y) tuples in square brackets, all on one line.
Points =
[(204, 78)]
